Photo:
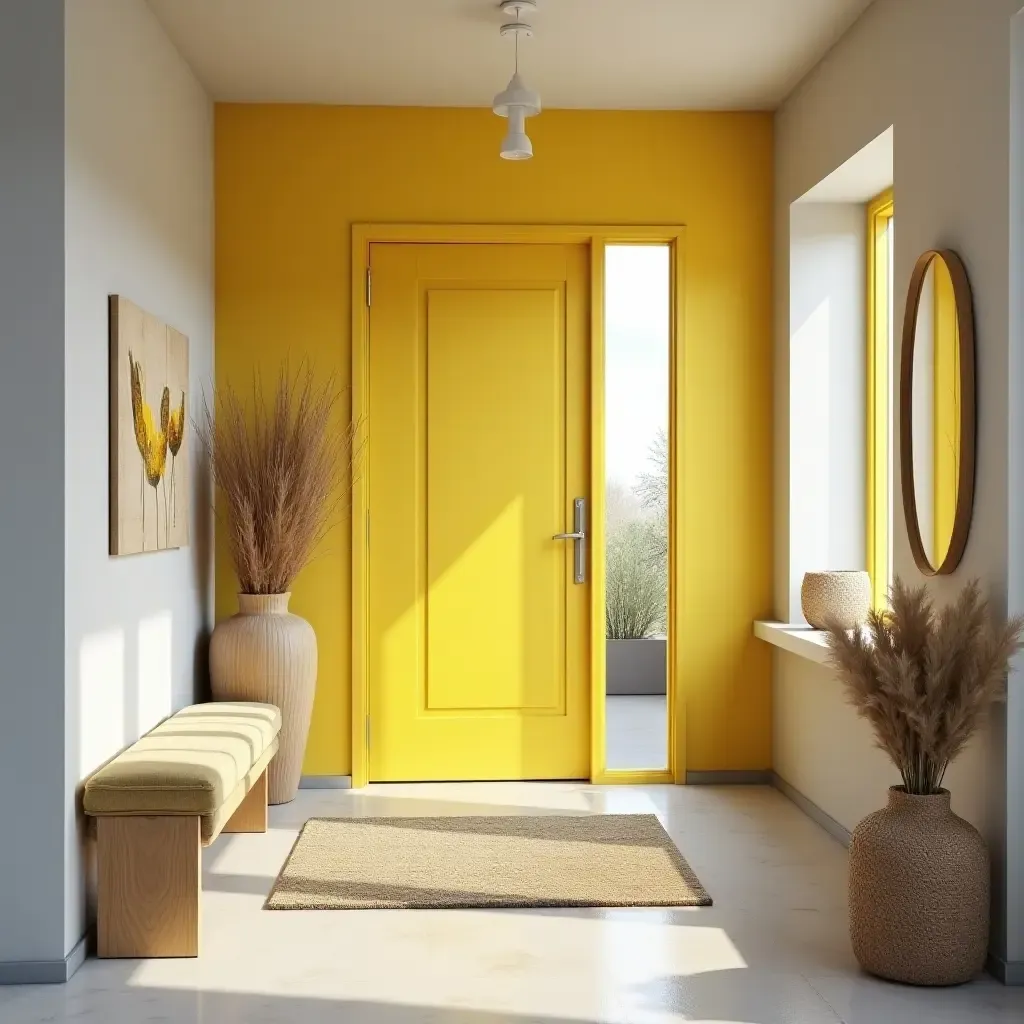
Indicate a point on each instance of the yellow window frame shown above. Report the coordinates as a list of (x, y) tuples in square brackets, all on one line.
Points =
[(879, 302)]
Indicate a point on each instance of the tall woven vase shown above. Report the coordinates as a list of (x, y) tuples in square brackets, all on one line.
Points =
[(919, 892), (264, 653)]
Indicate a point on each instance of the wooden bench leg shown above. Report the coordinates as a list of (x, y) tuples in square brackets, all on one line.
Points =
[(149, 875), (251, 813)]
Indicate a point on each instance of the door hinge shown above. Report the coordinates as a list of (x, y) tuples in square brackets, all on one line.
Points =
[(367, 732), (369, 287)]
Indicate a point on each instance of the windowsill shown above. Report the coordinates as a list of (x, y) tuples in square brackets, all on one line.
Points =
[(803, 641)]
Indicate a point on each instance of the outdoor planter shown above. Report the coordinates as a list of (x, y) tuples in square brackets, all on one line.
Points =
[(636, 667)]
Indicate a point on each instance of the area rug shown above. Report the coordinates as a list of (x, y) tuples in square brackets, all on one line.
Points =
[(601, 860)]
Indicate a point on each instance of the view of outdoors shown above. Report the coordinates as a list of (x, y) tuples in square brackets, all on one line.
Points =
[(636, 474)]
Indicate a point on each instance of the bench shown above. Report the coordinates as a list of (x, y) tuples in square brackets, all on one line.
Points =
[(201, 772)]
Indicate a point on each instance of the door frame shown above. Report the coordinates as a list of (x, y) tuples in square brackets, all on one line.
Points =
[(596, 237)]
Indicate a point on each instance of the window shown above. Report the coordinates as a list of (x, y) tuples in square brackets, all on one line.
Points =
[(880, 395), (637, 386)]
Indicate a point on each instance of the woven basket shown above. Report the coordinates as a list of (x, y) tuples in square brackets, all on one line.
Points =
[(840, 596), (919, 892)]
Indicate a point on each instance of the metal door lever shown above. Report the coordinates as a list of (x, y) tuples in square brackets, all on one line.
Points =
[(579, 539)]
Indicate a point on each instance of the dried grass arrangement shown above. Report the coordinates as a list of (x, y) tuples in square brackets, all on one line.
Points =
[(925, 678), (283, 468)]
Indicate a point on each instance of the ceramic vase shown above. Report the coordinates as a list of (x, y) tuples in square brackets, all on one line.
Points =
[(919, 892), (264, 653)]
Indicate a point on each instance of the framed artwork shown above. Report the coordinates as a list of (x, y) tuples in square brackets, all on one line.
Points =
[(149, 452)]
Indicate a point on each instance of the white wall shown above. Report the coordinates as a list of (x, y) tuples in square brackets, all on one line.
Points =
[(31, 478), (827, 372), (821, 748), (939, 71), (139, 222)]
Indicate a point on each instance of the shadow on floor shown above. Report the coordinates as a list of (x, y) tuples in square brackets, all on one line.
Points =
[(108, 991), (119, 1001)]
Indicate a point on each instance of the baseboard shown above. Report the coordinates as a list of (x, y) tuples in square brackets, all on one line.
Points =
[(726, 778), (1009, 972), (44, 972), (812, 810), (325, 782)]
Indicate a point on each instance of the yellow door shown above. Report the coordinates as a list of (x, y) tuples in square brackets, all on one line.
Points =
[(479, 446)]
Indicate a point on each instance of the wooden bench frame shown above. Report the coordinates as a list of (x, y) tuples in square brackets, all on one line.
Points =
[(149, 878)]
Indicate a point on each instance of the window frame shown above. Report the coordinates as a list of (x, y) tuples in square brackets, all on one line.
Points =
[(880, 304)]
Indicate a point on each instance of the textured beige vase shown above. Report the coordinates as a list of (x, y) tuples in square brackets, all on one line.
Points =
[(843, 596), (266, 654), (919, 892)]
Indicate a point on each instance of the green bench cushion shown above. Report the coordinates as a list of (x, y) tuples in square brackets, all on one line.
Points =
[(199, 761)]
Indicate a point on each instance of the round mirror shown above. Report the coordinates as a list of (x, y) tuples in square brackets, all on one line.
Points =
[(937, 412)]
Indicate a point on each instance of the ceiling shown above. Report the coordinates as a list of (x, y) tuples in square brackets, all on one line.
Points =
[(603, 54)]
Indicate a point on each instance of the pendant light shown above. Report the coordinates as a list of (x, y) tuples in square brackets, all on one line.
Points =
[(517, 101)]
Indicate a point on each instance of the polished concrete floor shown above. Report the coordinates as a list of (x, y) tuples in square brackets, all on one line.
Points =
[(636, 732), (772, 950)]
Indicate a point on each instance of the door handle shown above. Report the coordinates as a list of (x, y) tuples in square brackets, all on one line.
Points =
[(579, 539)]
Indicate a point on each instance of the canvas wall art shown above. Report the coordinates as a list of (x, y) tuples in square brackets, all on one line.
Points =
[(149, 446)]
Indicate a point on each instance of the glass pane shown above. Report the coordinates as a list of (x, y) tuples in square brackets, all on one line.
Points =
[(636, 503)]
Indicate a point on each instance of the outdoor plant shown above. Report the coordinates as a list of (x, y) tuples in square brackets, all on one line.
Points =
[(925, 678), (282, 471), (652, 492), (635, 584)]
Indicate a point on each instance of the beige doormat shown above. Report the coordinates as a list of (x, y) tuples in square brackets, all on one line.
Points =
[(602, 860)]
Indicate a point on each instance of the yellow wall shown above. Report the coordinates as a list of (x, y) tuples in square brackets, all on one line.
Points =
[(290, 182)]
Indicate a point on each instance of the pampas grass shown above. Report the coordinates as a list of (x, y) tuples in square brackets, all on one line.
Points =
[(282, 470), (925, 678)]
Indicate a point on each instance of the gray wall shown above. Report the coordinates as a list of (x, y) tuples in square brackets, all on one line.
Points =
[(106, 186), (939, 71), (31, 479), (139, 222)]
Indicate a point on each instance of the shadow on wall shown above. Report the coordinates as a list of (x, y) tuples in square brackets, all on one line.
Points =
[(203, 569), (202, 530), (126, 673), (112, 714), (123, 683), (108, 714)]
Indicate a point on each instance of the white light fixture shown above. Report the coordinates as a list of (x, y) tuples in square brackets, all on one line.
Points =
[(517, 101)]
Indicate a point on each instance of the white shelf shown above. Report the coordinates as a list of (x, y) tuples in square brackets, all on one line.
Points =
[(803, 641)]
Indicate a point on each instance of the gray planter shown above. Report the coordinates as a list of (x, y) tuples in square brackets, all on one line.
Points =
[(636, 667)]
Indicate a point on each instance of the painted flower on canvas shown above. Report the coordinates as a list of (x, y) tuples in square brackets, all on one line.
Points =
[(153, 442), (149, 457)]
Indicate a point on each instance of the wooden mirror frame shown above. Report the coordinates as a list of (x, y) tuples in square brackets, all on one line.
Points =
[(968, 422)]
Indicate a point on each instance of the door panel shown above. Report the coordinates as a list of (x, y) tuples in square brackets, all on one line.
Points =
[(478, 425), (496, 472)]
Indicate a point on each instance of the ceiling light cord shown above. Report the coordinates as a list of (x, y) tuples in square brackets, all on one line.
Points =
[(517, 42)]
